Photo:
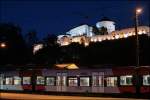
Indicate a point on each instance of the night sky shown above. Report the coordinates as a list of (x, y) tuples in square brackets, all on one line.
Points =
[(58, 16)]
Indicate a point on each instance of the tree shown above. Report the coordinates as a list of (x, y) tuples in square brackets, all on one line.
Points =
[(50, 39), (48, 55), (31, 38), (16, 50), (103, 31), (95, 30)]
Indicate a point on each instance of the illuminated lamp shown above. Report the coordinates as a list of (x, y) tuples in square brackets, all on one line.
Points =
[(116, 36), (143, 31), (125, 35), (86, 44), (130, 34), (95, 40), (3, 45), (108, 38), (140, 32)]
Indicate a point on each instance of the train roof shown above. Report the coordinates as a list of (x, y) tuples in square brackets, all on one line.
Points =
[(68, 66)]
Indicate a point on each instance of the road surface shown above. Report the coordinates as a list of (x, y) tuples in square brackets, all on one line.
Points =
[(20, 96)]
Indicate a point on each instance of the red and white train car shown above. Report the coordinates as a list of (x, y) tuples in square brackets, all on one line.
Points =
[(102, 80)]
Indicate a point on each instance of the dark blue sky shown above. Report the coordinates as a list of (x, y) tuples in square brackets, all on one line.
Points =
[(58, 16)]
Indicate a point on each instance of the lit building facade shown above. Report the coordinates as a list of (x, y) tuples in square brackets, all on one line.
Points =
[(124, 33), (81, 30), (85, 34), (118, 34)]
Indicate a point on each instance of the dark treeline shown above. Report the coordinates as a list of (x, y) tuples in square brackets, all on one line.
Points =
[(121, 52), (15, 50)]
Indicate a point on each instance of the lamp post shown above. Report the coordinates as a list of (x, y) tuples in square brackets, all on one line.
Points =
[(137, 12)]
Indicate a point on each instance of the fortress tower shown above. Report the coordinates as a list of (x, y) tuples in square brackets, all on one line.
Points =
[(107, 23)]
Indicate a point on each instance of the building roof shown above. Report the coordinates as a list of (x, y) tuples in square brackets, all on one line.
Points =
[(106, 19)]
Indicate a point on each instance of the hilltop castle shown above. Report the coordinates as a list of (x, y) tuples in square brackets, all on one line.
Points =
[(86, 34)]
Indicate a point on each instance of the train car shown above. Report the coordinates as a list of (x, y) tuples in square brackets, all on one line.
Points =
[(100, 80)]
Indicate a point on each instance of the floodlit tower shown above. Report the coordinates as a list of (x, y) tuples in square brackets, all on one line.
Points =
[(107, 23)]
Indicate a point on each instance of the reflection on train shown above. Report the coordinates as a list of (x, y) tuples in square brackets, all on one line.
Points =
[(102, 80)]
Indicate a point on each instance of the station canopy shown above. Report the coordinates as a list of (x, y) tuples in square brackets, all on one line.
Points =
[(67, 66)]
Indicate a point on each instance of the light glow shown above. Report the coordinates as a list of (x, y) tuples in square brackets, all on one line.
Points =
[(144, 32), (117, 36), (86, 44), (95, 40), (3, 45), (138, 11), (125, 35), (99, 40), (140, 32), (37, 47)]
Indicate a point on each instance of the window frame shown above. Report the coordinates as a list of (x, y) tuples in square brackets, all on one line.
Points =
[(30, 82), (20, 80), (2, 79), (11, 80), (50, 77), (40, 83), (143, 80), (85, 77), (114, 85), (125, 83), (96, 82), (72, 77)]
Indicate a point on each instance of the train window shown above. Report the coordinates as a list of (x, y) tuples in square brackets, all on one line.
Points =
[(84, 81), (126, 80), (26, 80), (50, 81), (17, 80), (9, 81), (97, 81), (146, 79), (64, 81), (101, 81), (1, 80), (40, 80), (58, 81), (111, 81), (72, 81)]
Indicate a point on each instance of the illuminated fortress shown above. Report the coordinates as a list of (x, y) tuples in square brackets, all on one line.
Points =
[(84, 33)]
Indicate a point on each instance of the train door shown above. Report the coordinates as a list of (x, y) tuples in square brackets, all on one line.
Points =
[(98, 82), (61, 82), (1, 81)]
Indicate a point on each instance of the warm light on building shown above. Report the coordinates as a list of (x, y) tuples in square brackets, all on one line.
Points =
[(125, 35), (86, 44), (65, 43), (118, 34), (37, 47), (99, 39)]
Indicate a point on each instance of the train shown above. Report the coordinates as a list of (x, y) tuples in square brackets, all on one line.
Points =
[(105, 80)]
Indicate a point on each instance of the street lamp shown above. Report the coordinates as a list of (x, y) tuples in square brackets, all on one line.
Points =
[(137, 12), (2, 45)]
